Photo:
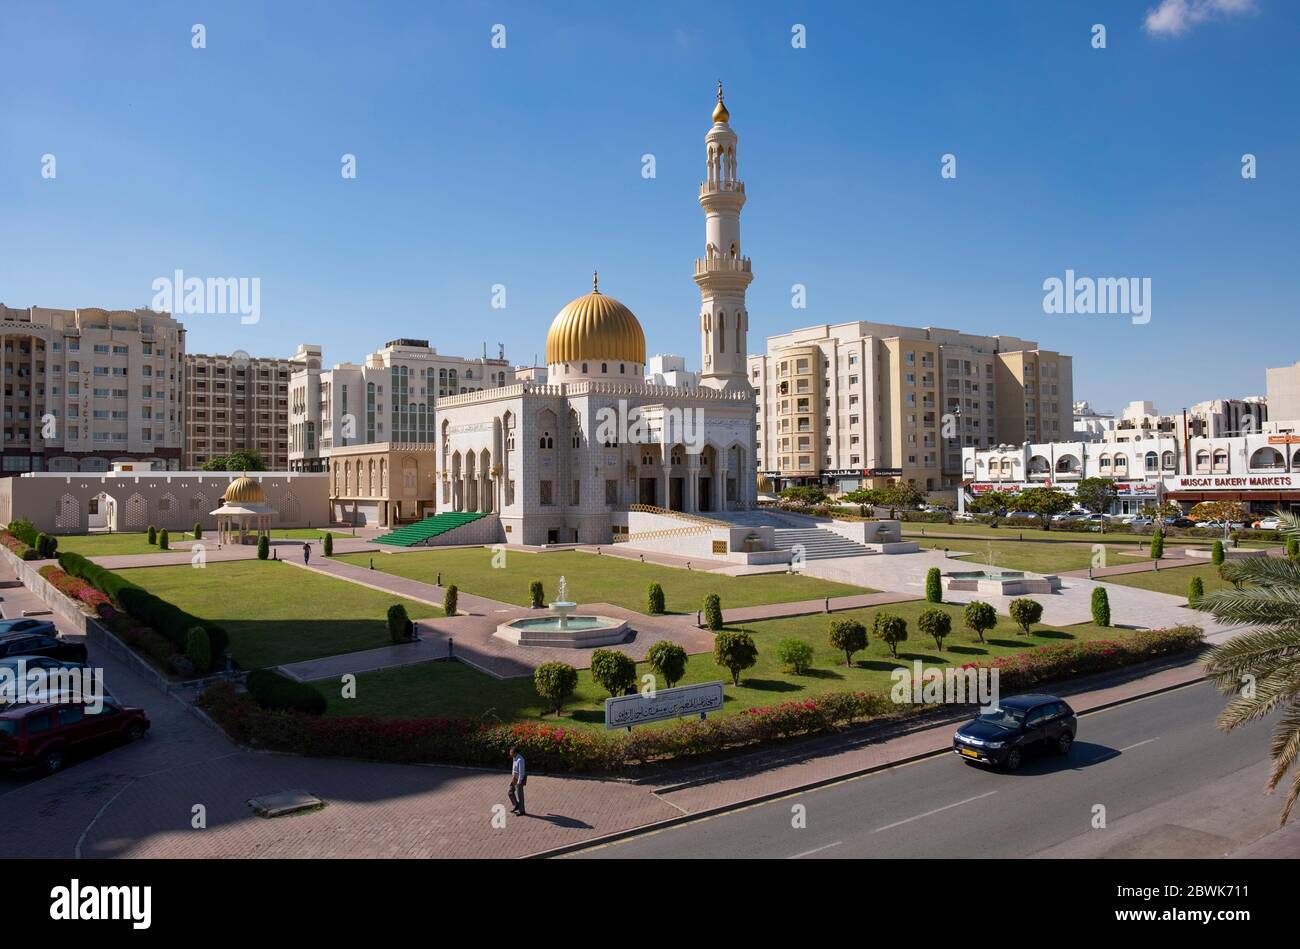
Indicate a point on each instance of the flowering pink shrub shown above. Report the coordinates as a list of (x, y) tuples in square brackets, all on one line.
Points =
[(78, 589), (18, 547)]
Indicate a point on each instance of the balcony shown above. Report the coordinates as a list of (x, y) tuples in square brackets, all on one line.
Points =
[(713, 187), (721, 265)]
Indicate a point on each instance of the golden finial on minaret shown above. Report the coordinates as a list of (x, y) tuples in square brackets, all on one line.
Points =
[(595, 285), (720, 113)]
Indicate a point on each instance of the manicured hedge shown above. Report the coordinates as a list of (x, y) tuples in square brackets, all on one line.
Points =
[(274, 691), (19, 549)]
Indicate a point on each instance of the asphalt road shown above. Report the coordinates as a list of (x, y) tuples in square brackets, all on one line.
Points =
[(1170, 784)]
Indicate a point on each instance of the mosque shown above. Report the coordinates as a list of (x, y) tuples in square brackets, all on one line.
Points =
[(562, 460)]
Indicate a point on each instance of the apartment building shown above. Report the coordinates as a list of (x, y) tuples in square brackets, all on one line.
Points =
[(853, 404), (237, 403), (389, 398), (84, 388), (1284, 391)]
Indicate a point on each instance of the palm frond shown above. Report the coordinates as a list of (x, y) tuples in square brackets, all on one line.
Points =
[(1276, 606)]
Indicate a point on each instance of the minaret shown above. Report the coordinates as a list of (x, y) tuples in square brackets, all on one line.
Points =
[(723, 274)]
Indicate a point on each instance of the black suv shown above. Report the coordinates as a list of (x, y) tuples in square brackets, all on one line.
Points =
[(40, 643), (1015, 727)]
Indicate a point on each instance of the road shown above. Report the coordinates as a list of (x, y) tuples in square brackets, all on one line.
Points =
[(1169, 782)]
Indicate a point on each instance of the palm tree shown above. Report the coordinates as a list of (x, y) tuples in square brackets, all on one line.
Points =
[(1260, 669)]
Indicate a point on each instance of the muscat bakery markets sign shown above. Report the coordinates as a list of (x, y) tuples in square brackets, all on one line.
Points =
[(1246, 482)]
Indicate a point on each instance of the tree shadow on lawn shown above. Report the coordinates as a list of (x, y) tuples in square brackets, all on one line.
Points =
[(822, 674), (769, 685), (914, 656), (968, 650), (1054, 634), (1011, 643)]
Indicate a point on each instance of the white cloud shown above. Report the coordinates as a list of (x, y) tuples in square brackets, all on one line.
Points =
[(1175, 17)]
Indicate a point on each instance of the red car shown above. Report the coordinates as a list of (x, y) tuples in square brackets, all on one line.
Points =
[(45, 734)]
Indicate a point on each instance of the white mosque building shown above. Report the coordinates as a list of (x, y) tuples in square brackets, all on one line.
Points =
[(565, 460)]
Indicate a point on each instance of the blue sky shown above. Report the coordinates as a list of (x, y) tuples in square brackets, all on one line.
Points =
[(522, 166)]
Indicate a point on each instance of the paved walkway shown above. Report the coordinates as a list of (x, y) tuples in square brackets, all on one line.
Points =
[(181, 552)]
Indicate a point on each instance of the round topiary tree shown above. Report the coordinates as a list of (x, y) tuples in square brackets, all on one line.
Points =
[(152, 534), (979, 617), (891, 630), (164, 539), (848, 636), (936, 624), (933, 586), (713, 612), (1025, 612), (1293, 547), (735, 652), (1195, 590), (795, 655), (655, 599), (263, 547), (449, 598), (536, 594), (1157, 544), (668, 660), (555, 682), (1100, 607), (328, 544), (613, 671), (198, 650), (397, 620), (1217, 555), (198, 531)]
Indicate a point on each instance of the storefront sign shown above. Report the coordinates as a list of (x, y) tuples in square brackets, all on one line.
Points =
[(1246, 482)]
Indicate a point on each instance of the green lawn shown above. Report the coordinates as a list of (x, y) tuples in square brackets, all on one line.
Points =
[(276, 613), (1173, 580), (595, 578), (121, 543), (914, 528), (1014, 555), (450, 688)]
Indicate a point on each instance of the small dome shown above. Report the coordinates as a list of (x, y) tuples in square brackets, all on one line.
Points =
[(595, 327), (244, 490), (720, 113)]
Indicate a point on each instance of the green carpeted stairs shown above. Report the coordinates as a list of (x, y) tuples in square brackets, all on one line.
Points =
[(412, 534)]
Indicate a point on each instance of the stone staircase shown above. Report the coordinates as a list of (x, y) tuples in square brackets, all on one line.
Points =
[(818, 543)]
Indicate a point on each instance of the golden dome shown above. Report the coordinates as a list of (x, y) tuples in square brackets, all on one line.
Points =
[(720, 113), (244, 490), (595, 327)]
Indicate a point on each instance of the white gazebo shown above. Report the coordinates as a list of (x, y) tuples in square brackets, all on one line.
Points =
[(244, 515)]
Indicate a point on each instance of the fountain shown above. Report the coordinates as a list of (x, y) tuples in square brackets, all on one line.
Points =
[(562, 628)]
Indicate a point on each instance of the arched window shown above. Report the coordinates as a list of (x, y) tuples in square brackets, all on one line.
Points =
[(1221, 458), (620, 369), (604, 368), (1167, 460), (1202, 459), (546, 441), (1152, 461), (1104, 462)]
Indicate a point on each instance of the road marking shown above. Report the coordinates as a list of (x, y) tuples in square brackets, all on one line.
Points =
[(937, 810), (1140, 744), (809, 853)]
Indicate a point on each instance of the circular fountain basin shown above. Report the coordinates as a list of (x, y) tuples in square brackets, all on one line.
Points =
[(995, 582), (572, 632)]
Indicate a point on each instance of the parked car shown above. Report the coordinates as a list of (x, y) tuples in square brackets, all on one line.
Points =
[(45, 735), (27, 624), (1269, 524), (964, 516), (1141, 521), (17, 666), (1016, 727), (44, 643), (1179, 522)]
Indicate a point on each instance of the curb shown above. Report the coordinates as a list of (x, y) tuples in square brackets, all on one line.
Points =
[(670, 822)]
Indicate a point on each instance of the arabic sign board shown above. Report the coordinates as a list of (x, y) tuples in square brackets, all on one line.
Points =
[(624, 711)]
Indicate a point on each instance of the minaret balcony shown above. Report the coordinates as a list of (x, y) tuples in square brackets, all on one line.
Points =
[(721, 265), (713, 187)]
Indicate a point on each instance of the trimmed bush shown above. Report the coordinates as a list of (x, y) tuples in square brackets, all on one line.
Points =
[(537, 594), (1293, 547), (274, 691), (848, 636), (198, 650), (449, 598), (613, 671), (198, 531), (1157, 545), (25, 531), (668, 660), (153, 534), (933, 586), (979, 617), (1195, 590), (713, 612), (397, 619), (555, 682), (328, 545), (164, 539), (891, 630), (655, 599), (795, 655), (1217, 555), (1100, 607), (1025, 612), (735, 652), (936, 624), (45, 545), (263, 547)]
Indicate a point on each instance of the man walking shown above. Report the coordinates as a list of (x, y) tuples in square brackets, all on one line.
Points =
[(518, 778), (306, 553)]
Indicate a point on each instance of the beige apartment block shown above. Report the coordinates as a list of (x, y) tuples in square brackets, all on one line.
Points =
[(85, 388), (886, 403), (1284, 392), (384, 484), (237, 403)]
